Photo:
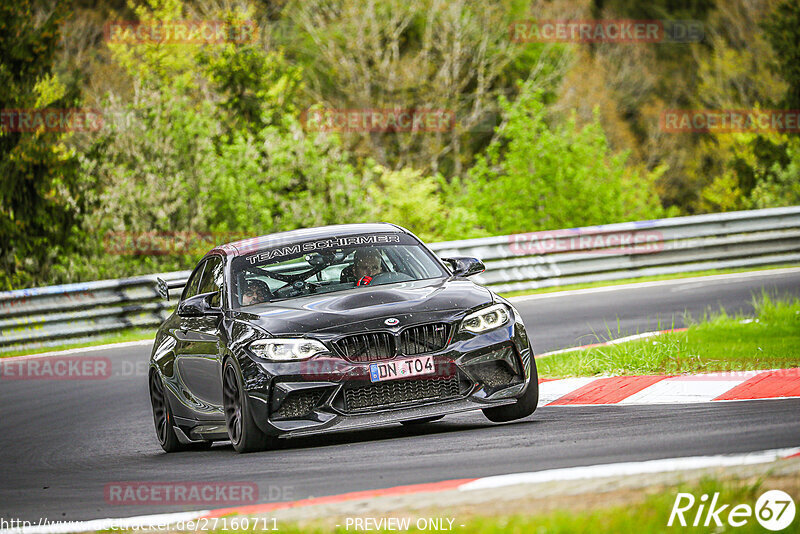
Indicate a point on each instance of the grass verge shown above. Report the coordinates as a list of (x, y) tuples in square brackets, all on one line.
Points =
[(719, 342), (649, 515), (641, 512), (656, 278), (135, 334)]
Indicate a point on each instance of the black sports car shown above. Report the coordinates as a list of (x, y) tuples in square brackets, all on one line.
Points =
[(333, 328)]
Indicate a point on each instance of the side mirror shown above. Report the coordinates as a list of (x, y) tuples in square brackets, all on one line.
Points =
[(463, 266), (162, 287), (199, 305)]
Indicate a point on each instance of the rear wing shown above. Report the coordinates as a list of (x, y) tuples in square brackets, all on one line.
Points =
[(163, 287)]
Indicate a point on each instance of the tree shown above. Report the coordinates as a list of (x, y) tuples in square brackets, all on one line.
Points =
[(41, 200), (454, 56), (538, 176), (783, 33), (750, 69), (420, 203), (211, 143)]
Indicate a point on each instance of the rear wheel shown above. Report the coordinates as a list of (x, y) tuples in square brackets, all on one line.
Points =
[(165, 423), (422, 421), (244, 433), (524, 406)]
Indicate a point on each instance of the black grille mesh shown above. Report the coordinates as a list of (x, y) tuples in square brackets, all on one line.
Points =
[(378, 346), (424, 338), (390, 393), (495, 374), (299, 404), (372, 347)]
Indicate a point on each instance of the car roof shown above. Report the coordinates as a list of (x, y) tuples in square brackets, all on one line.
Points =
[(247, 246)]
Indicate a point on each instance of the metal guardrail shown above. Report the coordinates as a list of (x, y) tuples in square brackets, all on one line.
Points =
[(628, 250), (75, 313), (54, 315)]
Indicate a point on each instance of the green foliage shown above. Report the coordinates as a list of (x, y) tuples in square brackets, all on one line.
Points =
[(257, 88), (40, 190), (209, 137), (749, 68), (416, 54), (414, 201), (755, 171), (783, 32), (282, 179), (155, 64), (538, 176), (234, 164), (782, 188)]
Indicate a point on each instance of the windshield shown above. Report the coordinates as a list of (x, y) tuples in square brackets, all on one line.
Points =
[(329, 265)]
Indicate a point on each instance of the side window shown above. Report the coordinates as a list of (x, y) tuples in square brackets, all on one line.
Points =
[(190, 289), (212, 279)]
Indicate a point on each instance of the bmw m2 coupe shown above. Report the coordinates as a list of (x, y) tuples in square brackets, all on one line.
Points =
[(333, 328)]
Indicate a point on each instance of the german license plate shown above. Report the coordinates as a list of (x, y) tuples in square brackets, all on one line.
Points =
[(404, 368)]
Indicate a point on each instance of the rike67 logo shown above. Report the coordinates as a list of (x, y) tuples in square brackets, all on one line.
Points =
[(774, 510)]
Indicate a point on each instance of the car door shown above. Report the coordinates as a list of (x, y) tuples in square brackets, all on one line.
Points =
[(198, 355)]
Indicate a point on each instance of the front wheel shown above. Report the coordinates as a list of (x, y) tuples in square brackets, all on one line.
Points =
[(524, 406), (242, 429), (165, 423)]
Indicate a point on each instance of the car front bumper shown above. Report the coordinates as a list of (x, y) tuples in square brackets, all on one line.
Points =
[(329, 393)]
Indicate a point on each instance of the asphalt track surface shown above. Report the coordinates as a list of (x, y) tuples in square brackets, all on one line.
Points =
[(62, 442)]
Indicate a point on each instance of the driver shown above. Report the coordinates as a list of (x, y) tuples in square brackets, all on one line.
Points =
[(255, 292), (366, 265)]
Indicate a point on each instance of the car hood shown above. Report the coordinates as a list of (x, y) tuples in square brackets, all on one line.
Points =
[(362, 309)]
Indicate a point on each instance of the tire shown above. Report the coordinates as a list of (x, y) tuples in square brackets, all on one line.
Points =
[(244, 434), (164, 421), (422, 421), (524, 406)]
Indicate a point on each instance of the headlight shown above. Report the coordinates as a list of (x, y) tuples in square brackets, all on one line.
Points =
[(285, 350), (486, 319)]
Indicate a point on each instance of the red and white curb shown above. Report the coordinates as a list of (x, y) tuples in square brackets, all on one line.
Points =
[(667, 389), (163, 522)]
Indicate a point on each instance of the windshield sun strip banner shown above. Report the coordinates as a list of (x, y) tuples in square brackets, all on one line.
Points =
[(295, 249)]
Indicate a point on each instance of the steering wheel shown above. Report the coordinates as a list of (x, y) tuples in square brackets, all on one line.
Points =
[(389, 277), (298, 287)]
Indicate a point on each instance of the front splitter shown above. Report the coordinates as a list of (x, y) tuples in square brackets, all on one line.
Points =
[(372, 420)]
